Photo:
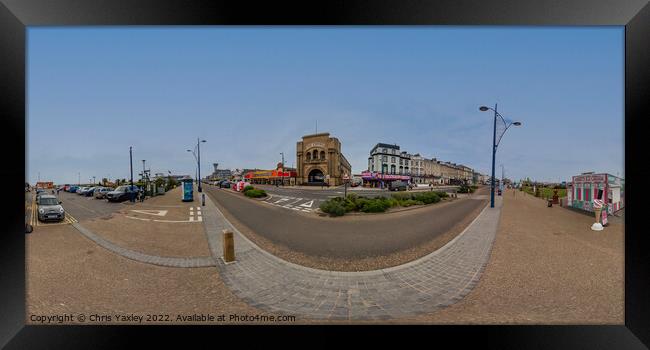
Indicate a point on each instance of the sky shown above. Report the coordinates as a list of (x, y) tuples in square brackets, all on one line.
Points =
[(253, 92)]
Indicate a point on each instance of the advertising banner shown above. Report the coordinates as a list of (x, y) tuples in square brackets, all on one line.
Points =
[(188, 191)]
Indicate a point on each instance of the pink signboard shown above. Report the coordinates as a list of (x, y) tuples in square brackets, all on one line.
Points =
[(366, 175), (589, 178)]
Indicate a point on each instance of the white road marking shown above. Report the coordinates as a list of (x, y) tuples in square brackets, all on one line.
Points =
[(151, 212), (282, 200), (133, 217), (177, 220), (307, 204)]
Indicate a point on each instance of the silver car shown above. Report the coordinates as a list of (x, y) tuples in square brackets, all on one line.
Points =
[(100, 192), (49, 208)]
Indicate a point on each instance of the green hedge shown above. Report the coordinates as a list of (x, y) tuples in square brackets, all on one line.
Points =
[(339, 206), (254, 193), (334, 207), (466, 189)]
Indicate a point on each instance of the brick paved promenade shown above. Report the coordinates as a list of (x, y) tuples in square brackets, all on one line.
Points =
[(271, 284), (421, 286)]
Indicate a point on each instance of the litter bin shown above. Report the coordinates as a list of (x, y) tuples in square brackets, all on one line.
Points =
[(549, 202), (188, 191)]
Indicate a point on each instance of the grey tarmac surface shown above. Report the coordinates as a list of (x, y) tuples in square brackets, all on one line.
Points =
[(85, 208), (345, 237)]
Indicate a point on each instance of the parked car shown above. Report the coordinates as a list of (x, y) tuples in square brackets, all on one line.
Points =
[(224, 184), (49, 208), (88, 191), (122, 193), (81, 190), (101, 192), (356, 181), (397, 186), (73, 188)]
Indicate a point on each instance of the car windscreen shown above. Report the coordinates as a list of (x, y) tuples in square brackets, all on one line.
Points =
[(121, 189), (48, 201)]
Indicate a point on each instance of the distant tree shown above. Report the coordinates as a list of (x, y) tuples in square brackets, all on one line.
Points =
[(104, 181), (171, 183)]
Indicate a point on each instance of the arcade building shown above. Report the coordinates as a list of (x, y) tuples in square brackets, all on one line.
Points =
[(320, 161)]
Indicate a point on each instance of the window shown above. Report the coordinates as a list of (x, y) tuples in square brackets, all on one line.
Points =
[(401, 161), (322, 154), (384, 150), (372, 168), (392, 168), (384, 158), (392, 159), (308, 156)]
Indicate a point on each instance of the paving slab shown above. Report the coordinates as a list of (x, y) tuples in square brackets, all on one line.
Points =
[(439, 279)]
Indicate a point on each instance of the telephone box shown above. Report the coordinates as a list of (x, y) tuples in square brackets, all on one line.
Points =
[(188, 191)]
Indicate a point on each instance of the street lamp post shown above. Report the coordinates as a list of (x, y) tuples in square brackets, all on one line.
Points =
[(282, 153), (198, 146), (198, 162), (196, 169), (131, 167), (502, 185), (495, 143)]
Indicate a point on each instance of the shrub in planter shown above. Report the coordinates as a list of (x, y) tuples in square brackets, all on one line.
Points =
[(427, 197), (441, 194), (410, 202), (360, 202), (333, 207), (255, 193), (402, 196), (249, 187), (375, 206)]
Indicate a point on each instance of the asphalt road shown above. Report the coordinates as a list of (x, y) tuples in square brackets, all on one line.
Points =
[(83, 208), (310, 199), (348, 236)]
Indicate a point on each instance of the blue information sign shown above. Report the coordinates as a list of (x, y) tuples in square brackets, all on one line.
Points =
[(188, 191)]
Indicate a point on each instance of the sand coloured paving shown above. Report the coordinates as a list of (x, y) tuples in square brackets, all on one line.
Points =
[(169, 239), (547, 267), (67, 273)]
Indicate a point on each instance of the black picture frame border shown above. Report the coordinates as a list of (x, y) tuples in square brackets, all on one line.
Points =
[(16, 15)]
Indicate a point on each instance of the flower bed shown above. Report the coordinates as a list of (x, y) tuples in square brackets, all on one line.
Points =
[(250, 191), (353, 203)]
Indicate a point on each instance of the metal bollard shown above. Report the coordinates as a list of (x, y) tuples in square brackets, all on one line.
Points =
[(203, 199), (228, 246)]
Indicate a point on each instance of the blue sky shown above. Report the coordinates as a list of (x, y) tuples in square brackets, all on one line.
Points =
[(252, 92)]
